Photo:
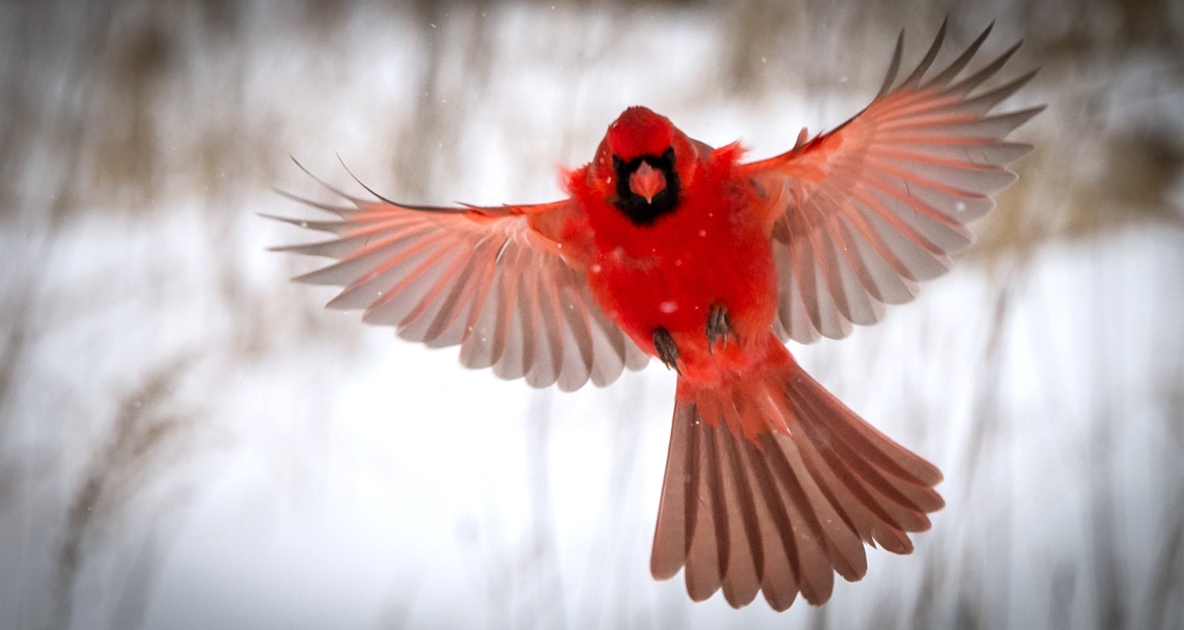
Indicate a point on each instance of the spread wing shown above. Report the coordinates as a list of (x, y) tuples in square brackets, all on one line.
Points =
[(867, 211), (482, 278)]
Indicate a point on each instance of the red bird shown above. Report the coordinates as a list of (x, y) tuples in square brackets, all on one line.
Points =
[(669, 248)]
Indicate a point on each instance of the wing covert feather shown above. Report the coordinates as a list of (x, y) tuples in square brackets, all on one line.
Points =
[(862, 214), (481, 278)]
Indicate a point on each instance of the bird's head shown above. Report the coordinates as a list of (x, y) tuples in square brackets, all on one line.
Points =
[(644, 165)]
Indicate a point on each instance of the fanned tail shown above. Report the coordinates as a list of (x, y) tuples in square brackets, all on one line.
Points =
[(773, 485)]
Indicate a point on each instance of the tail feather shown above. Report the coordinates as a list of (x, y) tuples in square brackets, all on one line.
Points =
[(707, 553), (773, 485), (747, 559)]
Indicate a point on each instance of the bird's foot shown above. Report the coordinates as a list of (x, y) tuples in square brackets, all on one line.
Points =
[(719, 325), (667, 351)]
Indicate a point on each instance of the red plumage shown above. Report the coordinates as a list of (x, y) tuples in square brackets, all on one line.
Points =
[(667, 247)]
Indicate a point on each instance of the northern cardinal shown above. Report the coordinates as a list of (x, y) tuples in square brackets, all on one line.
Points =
[(667, 247)]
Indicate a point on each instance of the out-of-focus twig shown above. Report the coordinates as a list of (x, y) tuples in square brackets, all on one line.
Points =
[(147, 432)]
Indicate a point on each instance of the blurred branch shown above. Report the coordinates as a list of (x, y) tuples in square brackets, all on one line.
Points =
[(65, 119), (146, 435), (544, 606)]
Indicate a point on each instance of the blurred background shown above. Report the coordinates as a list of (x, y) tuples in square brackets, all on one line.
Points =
[(187, 440)]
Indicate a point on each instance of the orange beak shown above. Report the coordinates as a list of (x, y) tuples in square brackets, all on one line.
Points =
[(647, 181)]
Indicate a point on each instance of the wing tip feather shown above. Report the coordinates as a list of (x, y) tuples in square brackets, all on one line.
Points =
[(893, 67), (915, 78)]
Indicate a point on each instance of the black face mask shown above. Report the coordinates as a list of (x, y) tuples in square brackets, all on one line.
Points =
[(634, 206)]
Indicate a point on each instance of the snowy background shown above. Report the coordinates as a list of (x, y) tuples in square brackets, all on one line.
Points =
[(187, 440)]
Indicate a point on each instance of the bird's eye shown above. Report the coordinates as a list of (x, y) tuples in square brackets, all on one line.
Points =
[(618, 163), (669, 155)]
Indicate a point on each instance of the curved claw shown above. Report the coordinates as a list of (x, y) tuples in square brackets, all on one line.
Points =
[(719, 325), (667, 351)]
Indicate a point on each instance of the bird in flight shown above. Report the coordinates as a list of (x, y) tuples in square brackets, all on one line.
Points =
[(666, 247)]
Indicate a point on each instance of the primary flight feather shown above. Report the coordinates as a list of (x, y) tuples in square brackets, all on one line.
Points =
[(669, 248)]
